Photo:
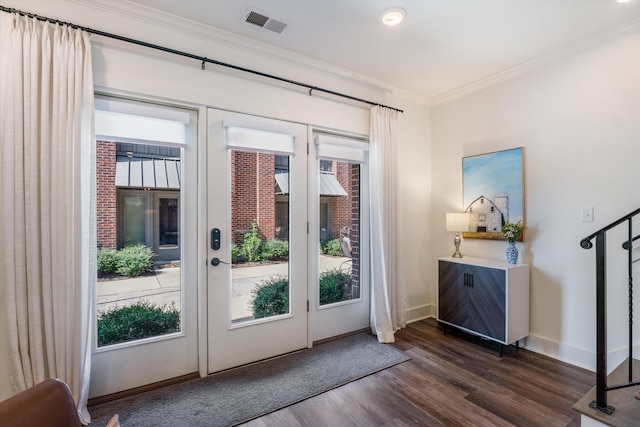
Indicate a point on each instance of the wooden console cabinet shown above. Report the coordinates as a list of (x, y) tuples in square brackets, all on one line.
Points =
[(485, 297)]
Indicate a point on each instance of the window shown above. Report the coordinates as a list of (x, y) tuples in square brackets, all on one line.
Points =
[(282, 164), (326, 165), (150, 150)]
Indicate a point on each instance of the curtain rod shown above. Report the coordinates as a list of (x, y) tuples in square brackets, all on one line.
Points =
[(204, 59)]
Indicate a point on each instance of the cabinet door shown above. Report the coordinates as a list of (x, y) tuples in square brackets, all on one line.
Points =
[(452, 293), (486, 301), (473, 297)]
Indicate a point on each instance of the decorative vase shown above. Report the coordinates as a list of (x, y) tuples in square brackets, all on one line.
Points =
[(512, 253)]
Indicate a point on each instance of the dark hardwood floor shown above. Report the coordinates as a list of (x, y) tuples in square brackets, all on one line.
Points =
[(451, 380)]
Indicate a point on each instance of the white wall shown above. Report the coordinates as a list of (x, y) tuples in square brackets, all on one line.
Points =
[(126, 69), (578, 119)]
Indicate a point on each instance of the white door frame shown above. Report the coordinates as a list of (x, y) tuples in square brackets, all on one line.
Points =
[(346, 316), (147, 361), (230, 343), (195, 227)]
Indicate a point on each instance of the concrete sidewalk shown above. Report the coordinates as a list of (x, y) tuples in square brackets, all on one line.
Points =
[(163, 286)]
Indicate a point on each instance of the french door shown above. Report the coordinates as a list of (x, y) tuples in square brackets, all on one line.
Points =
[(256, 238), (147, 181), (339, 212), (255, 200)]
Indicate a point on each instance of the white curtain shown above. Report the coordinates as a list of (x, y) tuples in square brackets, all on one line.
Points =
[(47, 241), (388, 288)]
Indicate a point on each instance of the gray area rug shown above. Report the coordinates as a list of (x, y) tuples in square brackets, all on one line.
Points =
[(239, 395)]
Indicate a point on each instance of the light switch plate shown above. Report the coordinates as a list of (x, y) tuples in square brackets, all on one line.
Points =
[(587, 214)]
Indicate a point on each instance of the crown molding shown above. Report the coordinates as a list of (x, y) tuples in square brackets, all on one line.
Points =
[(618, 32), (216, 36)]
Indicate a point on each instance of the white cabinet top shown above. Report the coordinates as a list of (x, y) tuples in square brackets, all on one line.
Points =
[(483, 262)]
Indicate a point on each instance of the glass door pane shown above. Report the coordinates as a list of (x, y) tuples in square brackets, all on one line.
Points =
[(168, 223), (339, 220), (260, 232), (134, 221), (139, 291), (167, 227)]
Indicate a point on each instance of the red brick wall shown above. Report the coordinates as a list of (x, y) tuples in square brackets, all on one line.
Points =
[(355, 230), (106, 193), (252, 194), (266, 195), (243, 193), (341, 206), (346, 213)]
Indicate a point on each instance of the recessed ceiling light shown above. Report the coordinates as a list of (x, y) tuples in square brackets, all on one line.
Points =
[(393, 16), (624, 1)]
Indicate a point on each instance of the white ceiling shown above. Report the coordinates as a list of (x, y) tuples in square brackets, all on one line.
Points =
[(441, 46)]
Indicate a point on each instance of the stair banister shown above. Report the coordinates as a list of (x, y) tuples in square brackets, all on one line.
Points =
[(600, 403), (586, 242)]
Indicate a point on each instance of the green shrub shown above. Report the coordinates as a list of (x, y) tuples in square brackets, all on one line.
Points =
[(236, 254), (134, 260), (331, 247), (332, 286), (274, 249), (251, 243), (137, 321), (270, 298), (106, 261)]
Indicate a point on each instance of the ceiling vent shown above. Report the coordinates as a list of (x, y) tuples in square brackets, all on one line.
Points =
[(265, 22)]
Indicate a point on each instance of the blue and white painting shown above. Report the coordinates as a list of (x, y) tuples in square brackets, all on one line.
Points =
[(493, 191)]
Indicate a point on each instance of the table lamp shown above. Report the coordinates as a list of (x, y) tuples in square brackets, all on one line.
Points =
[(457, 222)]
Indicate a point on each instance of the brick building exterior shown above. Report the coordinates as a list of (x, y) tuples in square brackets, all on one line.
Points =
[(253, 198), (341, 206), (106, 194), (252, 194), (116, 179)]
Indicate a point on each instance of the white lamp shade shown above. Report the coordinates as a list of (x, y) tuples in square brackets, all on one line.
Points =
[(457, 221)]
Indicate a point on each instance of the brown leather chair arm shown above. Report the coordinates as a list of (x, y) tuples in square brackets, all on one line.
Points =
[(48, 404)]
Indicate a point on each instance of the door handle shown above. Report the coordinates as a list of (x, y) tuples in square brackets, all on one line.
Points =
[(216, 262), (468, 280)]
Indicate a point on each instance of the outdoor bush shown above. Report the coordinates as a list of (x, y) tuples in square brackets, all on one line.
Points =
[(236, 254), (332, 286), (106, 261), (134, 260), (274, 249), (140, 320), (331, 247), (270, 298), (251, 243)]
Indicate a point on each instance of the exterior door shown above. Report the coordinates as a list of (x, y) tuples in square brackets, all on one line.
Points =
[(339, 206), (257, 238), (139, 211), (166, 226)]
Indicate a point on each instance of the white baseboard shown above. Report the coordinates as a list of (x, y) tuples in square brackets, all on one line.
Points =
[(563, 352), (420, 313)]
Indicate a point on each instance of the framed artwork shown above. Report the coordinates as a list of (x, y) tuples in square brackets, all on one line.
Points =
[(493, 192)]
